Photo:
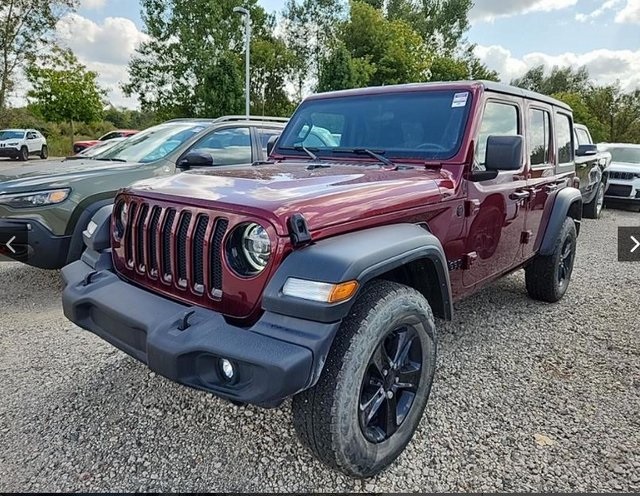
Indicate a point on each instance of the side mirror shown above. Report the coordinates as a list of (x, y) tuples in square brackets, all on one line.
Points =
[(587, 150), (195, 159), (271, 144), (504, 153)]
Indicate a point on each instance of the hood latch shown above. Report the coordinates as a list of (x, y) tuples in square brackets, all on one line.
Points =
[(298, 230)]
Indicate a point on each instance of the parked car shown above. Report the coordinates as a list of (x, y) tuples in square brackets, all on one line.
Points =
[(78, 146), (57, 203), (20, 144), (317, 276), (96, 149), (624, 173), (590, 169)]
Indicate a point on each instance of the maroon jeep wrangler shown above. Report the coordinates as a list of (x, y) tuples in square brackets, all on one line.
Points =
[(317, 275)]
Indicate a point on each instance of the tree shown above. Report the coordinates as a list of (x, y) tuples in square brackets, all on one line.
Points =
[(337, 71), (559, 80), (25, 29), (582, 114), (618, 112), (271, 64), (441, 23), (310, 32), (191, 49), (466, 67), (63, 90)]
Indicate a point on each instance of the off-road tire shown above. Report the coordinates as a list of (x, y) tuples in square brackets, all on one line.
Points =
[(542, 275), (326, 417), (24, 154), (44, 152), (593, 210)]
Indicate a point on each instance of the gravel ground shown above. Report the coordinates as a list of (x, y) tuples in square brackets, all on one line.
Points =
[(528, 397)]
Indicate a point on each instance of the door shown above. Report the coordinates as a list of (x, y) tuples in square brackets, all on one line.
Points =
[(542, 180), (32, 142), (496, 208), (587, 168)]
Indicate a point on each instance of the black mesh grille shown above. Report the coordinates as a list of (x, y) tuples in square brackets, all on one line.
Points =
[(129, 245), (153, 243), (166, 242), (619, 190), (216, 253), (183, 230), (198, 250), (144, 210)]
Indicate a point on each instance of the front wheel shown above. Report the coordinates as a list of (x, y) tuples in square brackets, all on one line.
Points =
[(548, 277), (593, 210), (44, 152), (24, 154), (375, 385)]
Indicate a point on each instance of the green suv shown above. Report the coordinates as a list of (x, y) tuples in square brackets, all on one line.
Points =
[(45, 208)]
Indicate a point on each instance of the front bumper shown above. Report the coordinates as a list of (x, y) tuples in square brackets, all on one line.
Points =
[(40, 248), (623, 191), (276, 358), (9, 152)]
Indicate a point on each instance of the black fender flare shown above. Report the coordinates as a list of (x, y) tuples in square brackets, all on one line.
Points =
[(567, 203), (83, 213), (360, 256)]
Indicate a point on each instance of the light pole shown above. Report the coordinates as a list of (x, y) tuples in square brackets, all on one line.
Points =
[(247, 44)]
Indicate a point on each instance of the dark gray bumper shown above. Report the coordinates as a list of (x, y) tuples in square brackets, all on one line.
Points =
[(42, 248), (276, 358)]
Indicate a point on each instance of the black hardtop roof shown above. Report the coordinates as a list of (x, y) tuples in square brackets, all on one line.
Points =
[(454, 85)]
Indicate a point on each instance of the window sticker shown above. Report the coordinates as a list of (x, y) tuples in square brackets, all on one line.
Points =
[(460, 100)]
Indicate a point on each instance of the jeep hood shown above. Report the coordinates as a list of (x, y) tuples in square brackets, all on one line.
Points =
[(42, 175), (337, 194)]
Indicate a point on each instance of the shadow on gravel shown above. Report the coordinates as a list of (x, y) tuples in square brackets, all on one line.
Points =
[(19, 282)]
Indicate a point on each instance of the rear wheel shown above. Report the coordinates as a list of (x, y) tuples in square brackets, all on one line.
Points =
[(548, 277), (44, 152), (593, 210), (24, 154), (375, 385)]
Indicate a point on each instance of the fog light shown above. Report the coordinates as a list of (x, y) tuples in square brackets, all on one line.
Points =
[(227, 369)]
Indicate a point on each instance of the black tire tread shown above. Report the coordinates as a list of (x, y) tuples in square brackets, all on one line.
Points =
[(540, 275), (313, 409)]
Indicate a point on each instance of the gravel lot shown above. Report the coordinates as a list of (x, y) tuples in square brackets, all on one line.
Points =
[(528, 397)]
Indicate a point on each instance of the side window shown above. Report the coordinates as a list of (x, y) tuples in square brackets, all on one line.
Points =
[(564, 138), (31, 136), (583, 137), (266, 135), (499, 119), (539, 137), (231, 146)]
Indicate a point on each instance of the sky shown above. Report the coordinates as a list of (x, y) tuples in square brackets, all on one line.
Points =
[(511, 37)]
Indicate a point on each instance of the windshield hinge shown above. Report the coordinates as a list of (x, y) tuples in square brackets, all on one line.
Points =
[(298, 230)]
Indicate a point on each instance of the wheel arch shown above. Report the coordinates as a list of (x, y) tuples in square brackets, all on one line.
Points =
[(403, 253), (80, 219), (568, 203)]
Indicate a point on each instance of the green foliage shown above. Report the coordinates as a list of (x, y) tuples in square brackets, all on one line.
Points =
[(63, 90), (192, 65), (271, 63), (337, 71), (26, 27), (558, 80)]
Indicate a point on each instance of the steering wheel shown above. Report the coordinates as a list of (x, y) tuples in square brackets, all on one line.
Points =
[(436, 147)]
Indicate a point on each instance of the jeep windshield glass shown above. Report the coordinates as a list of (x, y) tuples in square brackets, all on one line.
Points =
[(153, 144), (626, 155), (424, 125), (7, 135)]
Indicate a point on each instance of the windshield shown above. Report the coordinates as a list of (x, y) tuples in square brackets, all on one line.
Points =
[(153, 144), (425, 125), (626, 155), (101, 147), (7, 135)]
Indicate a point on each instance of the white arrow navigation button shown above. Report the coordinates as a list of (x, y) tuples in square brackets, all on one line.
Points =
[(14, 238), (633, 250)]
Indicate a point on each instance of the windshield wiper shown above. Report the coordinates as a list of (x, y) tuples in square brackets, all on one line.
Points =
[(110, 159), (365, 151), (302, 148)]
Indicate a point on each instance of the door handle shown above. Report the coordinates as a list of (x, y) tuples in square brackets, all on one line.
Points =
[(520, 195)]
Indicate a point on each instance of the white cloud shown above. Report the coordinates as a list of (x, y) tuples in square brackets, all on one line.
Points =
[(92, 4), (489, 10), (630, 13), (105, 48), (608, 5), (605, 66)]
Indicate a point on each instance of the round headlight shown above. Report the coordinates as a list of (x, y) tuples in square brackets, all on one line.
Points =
[(249, 249)]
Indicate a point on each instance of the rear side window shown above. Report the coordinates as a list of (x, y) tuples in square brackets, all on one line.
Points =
[(564, 138), (266, 135), (499, 119), (583, 137), (539, 137)]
